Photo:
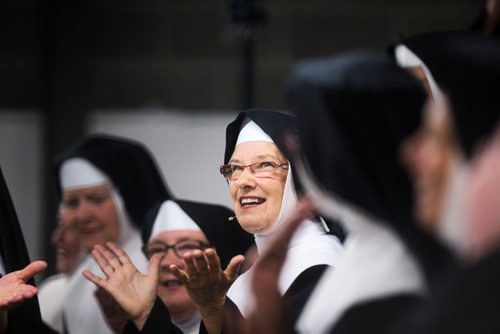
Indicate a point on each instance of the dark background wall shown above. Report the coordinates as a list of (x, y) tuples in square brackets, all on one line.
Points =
[(63, 59), (186, 53)]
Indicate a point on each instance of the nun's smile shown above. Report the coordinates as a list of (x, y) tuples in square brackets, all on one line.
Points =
[(248, 201), (257, 200)]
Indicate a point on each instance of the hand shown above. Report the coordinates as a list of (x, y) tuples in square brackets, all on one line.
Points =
[(132, 290), (207, 284), (13, 287), (115, 316), (269, 315)]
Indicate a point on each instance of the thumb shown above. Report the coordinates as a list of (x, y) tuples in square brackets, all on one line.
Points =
[(31, 270), (234, 266)]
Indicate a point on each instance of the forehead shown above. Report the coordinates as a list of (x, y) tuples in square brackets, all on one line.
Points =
[(172, 237), (256, 150), (102, 189)]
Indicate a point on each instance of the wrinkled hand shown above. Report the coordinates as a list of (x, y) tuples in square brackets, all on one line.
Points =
[(269, 315), (115, 316), (13, 287), (132, 290), (207, 284)]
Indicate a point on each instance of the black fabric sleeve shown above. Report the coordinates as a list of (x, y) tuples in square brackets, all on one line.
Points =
[(375, 316), (294, 298), (298, 293), (158, 322)]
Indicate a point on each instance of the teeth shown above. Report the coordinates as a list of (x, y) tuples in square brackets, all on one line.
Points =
[(173, 282), (247, 201)]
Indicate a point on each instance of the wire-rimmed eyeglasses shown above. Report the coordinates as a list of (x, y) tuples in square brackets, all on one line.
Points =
[(259, 169), (180, 248)]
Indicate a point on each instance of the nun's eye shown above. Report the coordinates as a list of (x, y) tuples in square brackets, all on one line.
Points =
[(71, 203), (188, 246), (180, 248), (236, 168), (265, 165), (98, 199)]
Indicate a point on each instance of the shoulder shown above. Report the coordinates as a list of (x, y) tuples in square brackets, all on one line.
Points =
[(301, 288)]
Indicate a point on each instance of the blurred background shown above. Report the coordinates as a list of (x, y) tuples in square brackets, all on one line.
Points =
[(169, 73)]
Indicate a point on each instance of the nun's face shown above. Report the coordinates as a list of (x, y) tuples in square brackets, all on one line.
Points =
[(171, 291), (257, 200), (94, 213), (66, 239), (428, 154)]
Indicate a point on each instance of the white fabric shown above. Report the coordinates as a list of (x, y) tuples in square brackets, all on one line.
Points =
[(79, 173), (51, 296), (190, 325), (452, 225), (171, 217), (81, 309), (310, 246), (375, 265), (407, 58), (250, 131)]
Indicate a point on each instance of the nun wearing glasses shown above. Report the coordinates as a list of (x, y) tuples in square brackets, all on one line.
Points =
[(158, 301), (259, 171)]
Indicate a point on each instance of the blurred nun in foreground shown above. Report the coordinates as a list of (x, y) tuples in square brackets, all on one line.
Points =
[(355, 110), (466, 68)]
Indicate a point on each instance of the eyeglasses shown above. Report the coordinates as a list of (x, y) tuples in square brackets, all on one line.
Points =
[(180, 248), (259, 169)]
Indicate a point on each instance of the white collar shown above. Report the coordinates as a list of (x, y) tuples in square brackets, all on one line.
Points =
[(310, 246), (190, 325), (375, 264)]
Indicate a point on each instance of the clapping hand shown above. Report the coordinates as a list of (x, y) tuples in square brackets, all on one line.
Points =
[(132, 290), (13, 287), (207, 283)]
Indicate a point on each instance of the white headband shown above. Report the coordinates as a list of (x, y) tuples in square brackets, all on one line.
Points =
[(250, 131), (407, 58), (79, 173), (171, 217)]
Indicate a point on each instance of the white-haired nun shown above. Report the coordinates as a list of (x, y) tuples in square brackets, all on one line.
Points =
[(135, 184), (312, 248)]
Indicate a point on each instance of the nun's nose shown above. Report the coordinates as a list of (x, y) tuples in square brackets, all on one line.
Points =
[(246, 179), (83, 212)]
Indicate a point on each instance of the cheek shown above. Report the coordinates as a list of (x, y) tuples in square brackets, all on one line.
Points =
[(232, 191), (274, 190), (110, 220)]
